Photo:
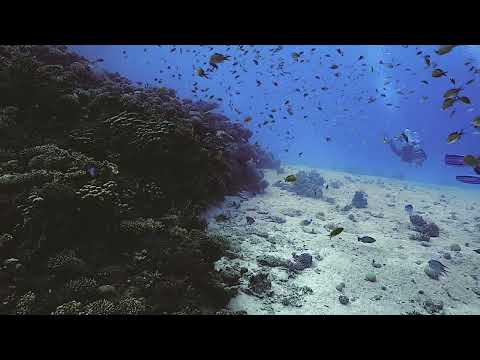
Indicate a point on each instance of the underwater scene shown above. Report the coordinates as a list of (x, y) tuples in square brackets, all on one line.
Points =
[(239, 179)]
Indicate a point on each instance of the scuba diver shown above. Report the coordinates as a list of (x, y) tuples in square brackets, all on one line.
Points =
[(407, 147)]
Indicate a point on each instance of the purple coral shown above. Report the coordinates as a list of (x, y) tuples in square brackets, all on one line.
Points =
[(431, 230), (360, 200), (417, 221)]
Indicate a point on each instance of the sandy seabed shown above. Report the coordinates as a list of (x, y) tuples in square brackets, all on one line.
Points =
[(401, 286)]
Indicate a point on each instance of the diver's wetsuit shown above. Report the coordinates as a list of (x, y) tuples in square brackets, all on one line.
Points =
[(409, 153)]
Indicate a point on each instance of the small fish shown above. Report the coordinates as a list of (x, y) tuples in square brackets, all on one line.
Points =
[(366, 239), (247, 119), (291, 178), (448, 103), (464, 99), (327, 139), (218, 59), (326, 187), (340, 51), (201, 73), (444, 49), (476, 122), (250, 220), (424, 81), (438, 73), (333, 67), (452, 92), (454, 136), (427, 60), (300, 153), (335, 232), (296, 56), (409, 209), (469, 82)]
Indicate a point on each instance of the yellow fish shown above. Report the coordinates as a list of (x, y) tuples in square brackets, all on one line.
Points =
[(335, 232), (291, 178), (454, 137), (470, 160), (476, 122)]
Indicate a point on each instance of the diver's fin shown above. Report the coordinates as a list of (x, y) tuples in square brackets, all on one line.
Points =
[(469, 179), (454, 160)]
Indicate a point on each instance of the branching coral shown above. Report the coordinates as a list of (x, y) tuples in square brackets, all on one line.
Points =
[(70, 308), (99, 307), (130, 306), (26, 303), (80, 289), (307, 184)]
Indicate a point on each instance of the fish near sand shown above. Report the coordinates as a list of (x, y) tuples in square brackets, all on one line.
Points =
[(250, 220), (366, 239), (335, 232)]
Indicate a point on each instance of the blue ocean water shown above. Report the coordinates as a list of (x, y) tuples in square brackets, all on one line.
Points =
[(298, 96)]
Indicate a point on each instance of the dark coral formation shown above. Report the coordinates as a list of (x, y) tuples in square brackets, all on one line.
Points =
[(300, 262), (259, 284), (307, 184), (359, 200), (102, 184), (431, 229), (425, 230), (417, 221)]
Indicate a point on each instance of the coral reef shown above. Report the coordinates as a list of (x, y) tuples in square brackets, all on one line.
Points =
[(300, 262), (427, 230), (307, 184), (359, 200), (103, 183), (417, 221)]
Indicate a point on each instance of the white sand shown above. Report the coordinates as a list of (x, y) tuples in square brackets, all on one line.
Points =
[(347, 260)]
